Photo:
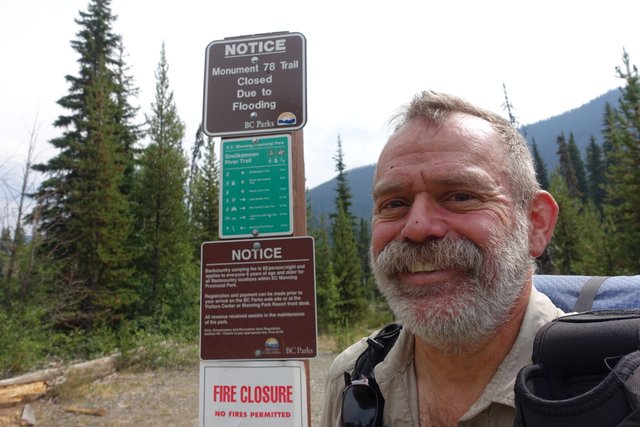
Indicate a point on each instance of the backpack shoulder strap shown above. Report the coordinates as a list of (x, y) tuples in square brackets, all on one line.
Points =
[(377, 349), (588, 293)]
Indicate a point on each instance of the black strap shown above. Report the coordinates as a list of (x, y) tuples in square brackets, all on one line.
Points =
[(588, 293), (377, 349)]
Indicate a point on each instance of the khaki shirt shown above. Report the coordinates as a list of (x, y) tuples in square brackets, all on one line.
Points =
[(396, 376)]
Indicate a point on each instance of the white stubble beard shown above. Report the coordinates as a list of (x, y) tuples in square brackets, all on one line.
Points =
[(491, 281)]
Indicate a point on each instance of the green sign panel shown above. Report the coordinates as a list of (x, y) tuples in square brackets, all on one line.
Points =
[(256, 187)]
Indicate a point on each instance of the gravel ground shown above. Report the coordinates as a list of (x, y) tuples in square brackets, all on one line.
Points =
[(152, 398)]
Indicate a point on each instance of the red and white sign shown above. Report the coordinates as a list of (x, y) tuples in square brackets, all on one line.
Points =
[(257, 394)]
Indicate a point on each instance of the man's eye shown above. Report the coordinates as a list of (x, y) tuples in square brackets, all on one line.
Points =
[(391, 207), (461, 197), (394, 204)]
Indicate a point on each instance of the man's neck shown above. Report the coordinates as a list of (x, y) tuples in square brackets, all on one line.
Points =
[(449, 382)]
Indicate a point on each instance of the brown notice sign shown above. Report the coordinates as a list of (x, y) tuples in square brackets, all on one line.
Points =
[(255, 85), (258, 299)]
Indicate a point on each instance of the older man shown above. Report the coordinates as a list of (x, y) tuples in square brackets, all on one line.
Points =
[(459, 219)]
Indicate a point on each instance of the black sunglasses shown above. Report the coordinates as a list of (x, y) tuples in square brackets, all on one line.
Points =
[(362, 403)]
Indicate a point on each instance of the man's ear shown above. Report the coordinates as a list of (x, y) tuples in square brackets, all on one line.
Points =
[(543, 214)]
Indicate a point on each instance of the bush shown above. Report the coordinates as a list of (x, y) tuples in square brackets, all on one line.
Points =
[(22, 342), (147, 351)]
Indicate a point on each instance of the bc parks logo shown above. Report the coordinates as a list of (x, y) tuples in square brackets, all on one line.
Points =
[(287, 118), (271, 347)]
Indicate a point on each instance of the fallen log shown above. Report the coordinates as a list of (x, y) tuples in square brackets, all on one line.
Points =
[(29, 387), (16, 394), (98, 412)]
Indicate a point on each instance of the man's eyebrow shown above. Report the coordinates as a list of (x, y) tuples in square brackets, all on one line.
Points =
[(465, 178), (386, 187), (468, 178)]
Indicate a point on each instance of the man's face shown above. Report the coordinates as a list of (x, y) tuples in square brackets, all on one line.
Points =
[(449, 249)]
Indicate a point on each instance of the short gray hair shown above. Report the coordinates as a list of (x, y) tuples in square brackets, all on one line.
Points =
[(438, 107)]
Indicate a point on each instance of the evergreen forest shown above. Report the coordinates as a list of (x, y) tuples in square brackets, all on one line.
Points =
[(107, 260)]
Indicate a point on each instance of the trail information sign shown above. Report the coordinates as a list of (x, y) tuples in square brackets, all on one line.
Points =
[(256, 187), (255, 85), (258, 299)]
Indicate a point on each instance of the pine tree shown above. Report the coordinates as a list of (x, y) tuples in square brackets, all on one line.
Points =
[(565, 167), (541, 168), (593, 243), (346, 263), (343, 198), (129, 132), (328, 297), (346, 266), (595, 165), (623, 170), (364, 243), (165, 267), (578, 166), (204, 196), (84, 217), (563, 247)]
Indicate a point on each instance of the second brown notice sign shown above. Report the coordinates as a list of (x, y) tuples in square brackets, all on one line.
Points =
[(258, 299), (255, 85)]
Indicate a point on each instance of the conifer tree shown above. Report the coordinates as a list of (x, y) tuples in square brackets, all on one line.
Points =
[(84, 217), (328, 297), (623, 169), (578, 166), (343, 191), (595, 166), (563, 247), (542, 173), (165, 268), (593, 242), (565, 167), (204, 196), (346, 264), (364, 243)]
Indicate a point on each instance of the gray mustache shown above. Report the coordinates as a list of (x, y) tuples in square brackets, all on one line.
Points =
[(445, 253)]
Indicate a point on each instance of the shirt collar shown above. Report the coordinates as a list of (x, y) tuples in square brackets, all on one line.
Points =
[(540, 310)]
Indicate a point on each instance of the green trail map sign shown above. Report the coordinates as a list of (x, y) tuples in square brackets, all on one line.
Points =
[(256, 187)]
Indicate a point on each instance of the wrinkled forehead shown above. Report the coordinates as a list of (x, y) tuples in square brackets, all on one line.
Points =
[(469, 135)]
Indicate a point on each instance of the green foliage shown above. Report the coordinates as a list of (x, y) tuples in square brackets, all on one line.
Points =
[(166, 277), (23, 340), (346, 332), (566, 167), (346, 266), (327, 295), (142, 350), (541, 168), (204, 195), (622, 137), (563, 247), (596, 170), (578, 166), (594, 243), (84, 216)]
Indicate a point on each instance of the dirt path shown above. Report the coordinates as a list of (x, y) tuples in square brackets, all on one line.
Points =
[(154, 398)]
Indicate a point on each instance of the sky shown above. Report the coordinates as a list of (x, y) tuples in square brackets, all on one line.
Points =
[(365, 59)]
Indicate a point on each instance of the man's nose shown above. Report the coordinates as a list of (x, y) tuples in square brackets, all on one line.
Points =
[(425, 220)]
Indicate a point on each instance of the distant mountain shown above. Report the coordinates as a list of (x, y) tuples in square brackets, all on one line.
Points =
[(583, 121)]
